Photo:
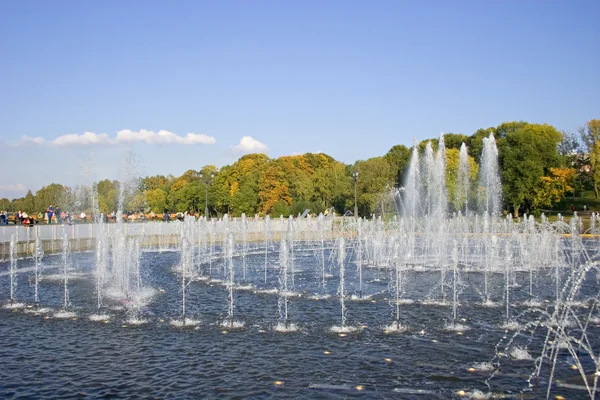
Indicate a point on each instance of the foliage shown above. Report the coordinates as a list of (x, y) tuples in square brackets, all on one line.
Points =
[(5, 204), (375, 175), (552, 189), (108, 195), (281, 208), (455, 140), (527, 151), (398, 157), (569, 150), (539, 167), (475, 142), (452, 167), (590, 135), (156, 199), (54, 194)]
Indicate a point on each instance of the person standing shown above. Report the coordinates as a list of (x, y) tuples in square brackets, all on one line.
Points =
[(50, 211), (58, 216)]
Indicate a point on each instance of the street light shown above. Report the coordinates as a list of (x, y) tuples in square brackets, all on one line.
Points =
[(206, 183), (355, 179)]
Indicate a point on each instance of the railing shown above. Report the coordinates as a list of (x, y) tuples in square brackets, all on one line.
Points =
[(82, 236)]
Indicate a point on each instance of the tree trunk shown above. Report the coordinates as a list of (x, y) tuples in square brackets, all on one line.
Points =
[(596, 189)]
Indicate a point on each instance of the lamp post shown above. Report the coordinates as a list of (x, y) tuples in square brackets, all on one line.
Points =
[(355, 179), (206, 183)]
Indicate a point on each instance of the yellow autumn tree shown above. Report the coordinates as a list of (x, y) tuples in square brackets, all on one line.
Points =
[(272, 187), (452, 167), (553, 188)]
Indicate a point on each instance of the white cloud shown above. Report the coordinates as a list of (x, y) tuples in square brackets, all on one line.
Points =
[(124, 136), (38, 141), (250, 145), (85, 139), (162, 137), (19, 187)]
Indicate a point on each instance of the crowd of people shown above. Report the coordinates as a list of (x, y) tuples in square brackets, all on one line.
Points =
[(50, 215), (54, 214)]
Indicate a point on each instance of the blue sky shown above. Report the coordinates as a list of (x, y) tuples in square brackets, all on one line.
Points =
[(348, 78)]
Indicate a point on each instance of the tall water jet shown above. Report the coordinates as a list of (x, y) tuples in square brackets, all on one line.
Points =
[(187, 260), (127, 183), (229, 322), (440, 196), (341, 257), (267, 237), (454, 281), (38, 254), (359, 256), (244, 245), (396, 288), (507, 270), (65, 264), (430, 180), (461, 195), (290, 236), (13, 267), (135, 253), (102, 246), (65, 270), (211, 252), (490, 262), (490, 193), (284, 289), (119, 261), (101, 265), (412, 186)]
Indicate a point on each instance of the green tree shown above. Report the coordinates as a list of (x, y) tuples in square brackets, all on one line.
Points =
[(452, 166), (108, 195), (590, 135), (29, 203), (156, 182), (156, 200), (475, 142), (17, 204), (280, 208), (528, 151), (4, 204), (191, 197), (374, 176), (54, 194), (243, 177), (398, 157), (331, 182), (219, 192), (455, 140), (245, 199)]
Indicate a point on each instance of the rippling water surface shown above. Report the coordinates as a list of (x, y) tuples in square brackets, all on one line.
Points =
[(41, 356)]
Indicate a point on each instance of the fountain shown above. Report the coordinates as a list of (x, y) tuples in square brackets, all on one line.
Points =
[(38, 254), (436, 303)]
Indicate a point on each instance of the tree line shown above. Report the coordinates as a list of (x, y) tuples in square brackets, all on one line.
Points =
[(539, 166)]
